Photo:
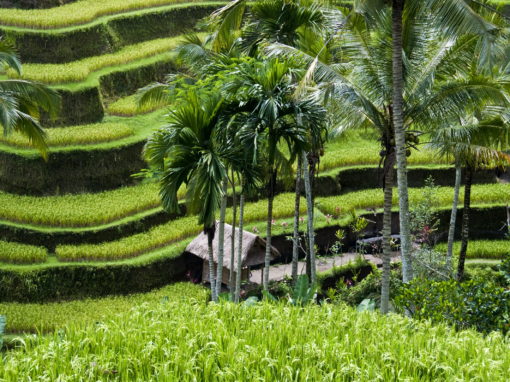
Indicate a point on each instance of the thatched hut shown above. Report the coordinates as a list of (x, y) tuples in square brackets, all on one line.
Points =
[(253, 252)]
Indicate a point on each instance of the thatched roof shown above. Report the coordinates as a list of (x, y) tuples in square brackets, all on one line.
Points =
[(254, 248)]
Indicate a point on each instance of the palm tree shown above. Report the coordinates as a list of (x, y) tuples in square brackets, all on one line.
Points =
[(265, 89), (188, 150), (454, 17), (21, 102), (360, 88)]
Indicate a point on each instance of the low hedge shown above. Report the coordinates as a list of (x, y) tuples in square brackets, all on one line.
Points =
[(50, 47), (74, 281)]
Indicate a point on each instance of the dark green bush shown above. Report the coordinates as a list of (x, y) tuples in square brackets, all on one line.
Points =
[(478, 304)]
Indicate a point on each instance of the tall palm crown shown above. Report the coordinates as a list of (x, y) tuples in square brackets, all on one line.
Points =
[(21, 102), (189, 150)]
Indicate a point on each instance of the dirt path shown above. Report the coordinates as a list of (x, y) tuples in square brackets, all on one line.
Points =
[(278, 272)]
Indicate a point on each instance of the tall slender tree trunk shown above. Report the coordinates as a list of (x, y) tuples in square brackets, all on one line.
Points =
[(465, 221), (210, 231), (295, 237), (386, 256), (221, 239), (398, 123), (310, 213), (453, 217), (231, 280), (267, 260), (239, 248)]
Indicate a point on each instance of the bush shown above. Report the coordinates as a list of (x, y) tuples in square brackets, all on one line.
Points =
[(478, 304)]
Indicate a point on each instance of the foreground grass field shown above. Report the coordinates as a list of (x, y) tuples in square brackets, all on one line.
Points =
[(179, 340)]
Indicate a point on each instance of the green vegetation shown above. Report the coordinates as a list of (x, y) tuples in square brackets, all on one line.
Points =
[(488, 194), (190, 341), (80, 12), (75, 135), (128, 106), (82, 210), (17, 253), (80, 70), (481, 249), (54, 316)]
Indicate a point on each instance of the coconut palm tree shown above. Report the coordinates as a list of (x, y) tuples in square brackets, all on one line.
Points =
[(22, 101), (188, 150), (360, 88), (453, 17)]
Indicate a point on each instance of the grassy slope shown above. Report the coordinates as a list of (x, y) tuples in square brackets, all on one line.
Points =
[(179, 340)]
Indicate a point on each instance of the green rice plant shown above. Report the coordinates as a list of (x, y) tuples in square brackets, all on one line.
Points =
[(127, 107), (79, 12), (166, 234), (23, 318), (487, 194), (481, 249), (360, 147), (131, 246), (75, 135), (17, 253), (81, 210), (79, 70), (183, 341)]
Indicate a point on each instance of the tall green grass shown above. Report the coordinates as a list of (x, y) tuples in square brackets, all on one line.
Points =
[(486, 194), (76, 13), (77, 71), (75, 135), (81, 210), (128, 106), (53, 316), (339, 207), (360, 147), (17, 253), (176, 341), (481, 249), (166, 234)]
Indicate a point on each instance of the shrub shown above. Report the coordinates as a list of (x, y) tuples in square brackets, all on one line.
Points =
[(17, 253), (478, 304), (76, 135)]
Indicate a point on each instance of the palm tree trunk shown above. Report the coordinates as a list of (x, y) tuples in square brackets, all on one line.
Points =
[(221, 239), (398, 123), (267, 259), (210, 238), (239, 248), (231, 279), (309, 211), (453, 217), (386, 256), (295, 237), (465, 222)]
